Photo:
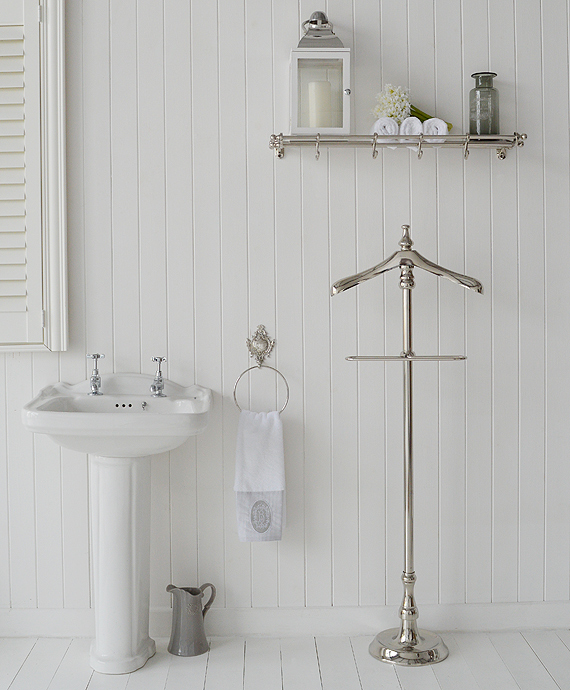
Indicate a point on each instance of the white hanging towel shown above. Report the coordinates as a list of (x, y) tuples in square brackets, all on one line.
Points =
[(260, 476)]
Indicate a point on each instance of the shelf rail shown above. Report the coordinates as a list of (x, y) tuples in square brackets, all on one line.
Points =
[(417, 142)]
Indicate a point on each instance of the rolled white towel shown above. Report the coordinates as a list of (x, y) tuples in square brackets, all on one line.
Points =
[(411, 125), (385, 126), (434, 126)]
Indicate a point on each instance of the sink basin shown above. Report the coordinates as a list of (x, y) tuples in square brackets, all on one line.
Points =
[(126, 421), (121, 429)]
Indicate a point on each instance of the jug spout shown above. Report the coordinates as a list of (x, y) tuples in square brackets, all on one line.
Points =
[(188, 637)]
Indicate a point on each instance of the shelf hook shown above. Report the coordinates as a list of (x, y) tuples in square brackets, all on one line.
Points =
[(317, 149), (466, 147), (374, 150), (420, 142)]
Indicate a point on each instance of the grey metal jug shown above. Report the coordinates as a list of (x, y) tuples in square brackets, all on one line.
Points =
[(188, 637)]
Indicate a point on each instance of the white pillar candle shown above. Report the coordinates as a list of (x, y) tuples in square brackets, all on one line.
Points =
[(319, 104)]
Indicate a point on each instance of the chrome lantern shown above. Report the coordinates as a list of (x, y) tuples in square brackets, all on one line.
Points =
[(320, 80)]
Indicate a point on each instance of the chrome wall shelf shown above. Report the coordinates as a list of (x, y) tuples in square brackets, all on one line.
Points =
[(418, 142)]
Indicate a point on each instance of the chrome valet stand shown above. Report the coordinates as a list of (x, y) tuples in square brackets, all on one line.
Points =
[(407, 645)]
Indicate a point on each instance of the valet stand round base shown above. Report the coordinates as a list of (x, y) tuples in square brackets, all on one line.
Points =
[(430, 648)]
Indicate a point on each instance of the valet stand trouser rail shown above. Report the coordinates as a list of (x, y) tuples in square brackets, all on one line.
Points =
[(408, 645)]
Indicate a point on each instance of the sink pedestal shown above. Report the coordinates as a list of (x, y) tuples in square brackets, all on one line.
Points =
[(120, 533)]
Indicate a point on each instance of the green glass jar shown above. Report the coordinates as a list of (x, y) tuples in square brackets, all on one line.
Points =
[(484, 105)]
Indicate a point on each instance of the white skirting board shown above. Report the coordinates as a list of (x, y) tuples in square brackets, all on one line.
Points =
[(286, 622)]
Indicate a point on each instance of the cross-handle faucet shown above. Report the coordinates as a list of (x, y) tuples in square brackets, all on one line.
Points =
[(95, 380), (157, 386)]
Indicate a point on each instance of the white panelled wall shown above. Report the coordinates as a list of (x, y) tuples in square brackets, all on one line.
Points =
[(185, 233)]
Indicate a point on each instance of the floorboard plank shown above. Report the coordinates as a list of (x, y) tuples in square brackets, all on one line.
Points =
[(454, 672), (417, 678), (74, 670), (226, 664), (564, 635), (373, 674), (41, 664), (522, 662), (336, 661), (187, 672), (102, 681), (300, 664), (484, 662), (553, 654), (262, 664), (153, 675), (13, 653)]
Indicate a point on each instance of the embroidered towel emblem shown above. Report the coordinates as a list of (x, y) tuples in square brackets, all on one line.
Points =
[(260, 516)]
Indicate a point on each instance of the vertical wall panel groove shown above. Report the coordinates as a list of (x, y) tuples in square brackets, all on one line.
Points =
[(185, 233)]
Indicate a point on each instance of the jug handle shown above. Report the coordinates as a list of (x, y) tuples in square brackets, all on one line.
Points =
[(210, 600)]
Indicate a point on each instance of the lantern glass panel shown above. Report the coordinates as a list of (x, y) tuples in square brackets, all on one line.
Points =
[(320, 92)]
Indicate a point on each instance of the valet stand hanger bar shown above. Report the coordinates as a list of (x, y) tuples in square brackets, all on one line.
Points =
[(408, 645), (500, 142)]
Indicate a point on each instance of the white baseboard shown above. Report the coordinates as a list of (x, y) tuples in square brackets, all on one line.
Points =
[(286, 622)]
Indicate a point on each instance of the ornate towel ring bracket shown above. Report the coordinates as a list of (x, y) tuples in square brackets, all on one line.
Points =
[(260, 346)]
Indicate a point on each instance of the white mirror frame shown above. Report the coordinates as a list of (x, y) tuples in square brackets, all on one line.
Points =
[(54, 202), (53, 180)]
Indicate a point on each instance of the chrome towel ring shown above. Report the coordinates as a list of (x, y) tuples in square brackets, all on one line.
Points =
[(260, 346)]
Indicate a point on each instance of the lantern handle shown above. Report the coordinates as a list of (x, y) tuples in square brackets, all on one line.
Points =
[(317, 18)]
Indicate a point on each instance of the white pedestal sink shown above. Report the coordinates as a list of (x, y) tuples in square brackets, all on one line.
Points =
[(121, 429)]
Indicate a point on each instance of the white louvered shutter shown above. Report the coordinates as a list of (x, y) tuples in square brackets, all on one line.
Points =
[(21, 300)]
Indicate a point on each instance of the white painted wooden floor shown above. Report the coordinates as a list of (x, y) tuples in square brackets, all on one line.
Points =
[(477, 661)]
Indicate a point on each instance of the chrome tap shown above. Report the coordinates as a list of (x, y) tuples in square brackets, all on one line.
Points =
[(157, 386), (95, 379)]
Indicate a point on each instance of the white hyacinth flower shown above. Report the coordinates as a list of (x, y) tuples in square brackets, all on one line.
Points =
[(393, 101)]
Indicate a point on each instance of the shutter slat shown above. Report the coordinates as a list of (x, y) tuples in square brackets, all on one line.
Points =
[(12, 192), (14, 47), (12, 80), (11, 176), (11, 33), (11, 257), (12, 304), (13, 273), (12, 13), (10, 63), (11, 240), (12, 288), (12, 144), (12, 128), (12, 159), (12, 208), (11, 224), (11, 111), (11, 96)]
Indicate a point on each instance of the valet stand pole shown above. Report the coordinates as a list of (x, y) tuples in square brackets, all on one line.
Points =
[(406, 645)]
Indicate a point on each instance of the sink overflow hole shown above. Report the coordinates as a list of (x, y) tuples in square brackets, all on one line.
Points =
[(123, 405)]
